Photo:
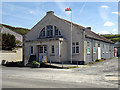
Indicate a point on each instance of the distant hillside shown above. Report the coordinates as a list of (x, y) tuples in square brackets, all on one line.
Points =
[(21, 31), (112, 37)]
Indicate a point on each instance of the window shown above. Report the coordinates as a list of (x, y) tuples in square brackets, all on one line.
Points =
[(57, 32), (43, 49), (31, 49), (49, 31), (75, 47), (98, 45), (53, 49), (94, 47), (107, 48), (88, 47), (42, 33), (103, 48), (110, 49)]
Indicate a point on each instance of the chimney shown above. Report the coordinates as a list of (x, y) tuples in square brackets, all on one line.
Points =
[(50, 13), (88, 28)]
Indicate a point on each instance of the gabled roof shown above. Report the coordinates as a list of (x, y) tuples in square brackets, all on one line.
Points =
[(88, 33)]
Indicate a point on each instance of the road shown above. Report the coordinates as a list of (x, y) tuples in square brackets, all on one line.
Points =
[(99, 75)]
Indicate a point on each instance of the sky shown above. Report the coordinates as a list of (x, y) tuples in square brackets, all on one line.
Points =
[(102, 17)]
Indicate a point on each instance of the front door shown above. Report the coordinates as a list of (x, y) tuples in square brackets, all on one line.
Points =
[(42, 53), (99, 53)]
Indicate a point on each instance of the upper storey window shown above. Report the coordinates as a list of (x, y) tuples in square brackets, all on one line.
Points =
[(50, 31), (42, 33), (57, 32)]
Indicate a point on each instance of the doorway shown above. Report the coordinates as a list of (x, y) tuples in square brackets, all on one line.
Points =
[(43, 53), (99, 53)]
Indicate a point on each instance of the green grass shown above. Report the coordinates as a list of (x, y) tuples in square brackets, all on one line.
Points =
[(18, 30), (72, 67), (99, 60), (112, 37)]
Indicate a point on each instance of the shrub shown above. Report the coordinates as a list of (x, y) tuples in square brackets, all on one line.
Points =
[(8, 41), (97, 60), (19, 62), (103, 59), (18, 43), (91, 63), (14, 64), (35, 64)]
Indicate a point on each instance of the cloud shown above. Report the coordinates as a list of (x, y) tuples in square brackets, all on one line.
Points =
[(31, 12), (114, 30), (104, 12), (108, 24), (114, 12), (104, 32), (117, 13), (104, 6)]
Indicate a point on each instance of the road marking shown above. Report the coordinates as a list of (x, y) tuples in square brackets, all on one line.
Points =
[(112, 78)]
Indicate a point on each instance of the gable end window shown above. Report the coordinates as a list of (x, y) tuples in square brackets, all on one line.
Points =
[(42, 33), (57, 32), (49, 31)]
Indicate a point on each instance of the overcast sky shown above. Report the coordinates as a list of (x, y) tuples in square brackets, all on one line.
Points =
[(102, 17)]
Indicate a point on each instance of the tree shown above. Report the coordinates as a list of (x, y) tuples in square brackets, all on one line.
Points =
[(8, 41)]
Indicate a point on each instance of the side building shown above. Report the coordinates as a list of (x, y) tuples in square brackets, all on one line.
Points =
[(6, 30), (14, 55)]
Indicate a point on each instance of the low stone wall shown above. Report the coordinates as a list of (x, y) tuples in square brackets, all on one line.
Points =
[(15, 55)]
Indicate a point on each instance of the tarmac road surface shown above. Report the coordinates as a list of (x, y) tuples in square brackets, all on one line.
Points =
[(99, 75)]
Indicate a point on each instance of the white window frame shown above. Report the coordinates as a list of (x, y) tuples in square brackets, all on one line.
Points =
[(110, 49), (43, 49), (107, 48), (94, 47), (103, 48), (88, 47), (41, 32), (50, 31), (59, 33), (52, 49), (75, 47)]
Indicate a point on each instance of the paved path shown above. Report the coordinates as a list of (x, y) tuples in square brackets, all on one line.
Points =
[(99, 75)]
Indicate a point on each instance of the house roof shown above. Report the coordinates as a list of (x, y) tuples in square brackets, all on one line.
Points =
[(88, 33)]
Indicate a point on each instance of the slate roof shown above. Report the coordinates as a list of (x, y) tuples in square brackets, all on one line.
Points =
[(89, 33)]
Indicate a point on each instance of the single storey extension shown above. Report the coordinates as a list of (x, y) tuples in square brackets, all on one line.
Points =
[(50, 41)]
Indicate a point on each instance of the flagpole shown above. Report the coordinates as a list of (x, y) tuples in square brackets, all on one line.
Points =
[(71, 35)]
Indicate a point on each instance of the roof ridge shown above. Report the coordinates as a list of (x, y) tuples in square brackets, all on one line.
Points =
[(97, 36)]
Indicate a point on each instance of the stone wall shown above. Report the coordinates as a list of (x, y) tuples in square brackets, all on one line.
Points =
[(15, 55)]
